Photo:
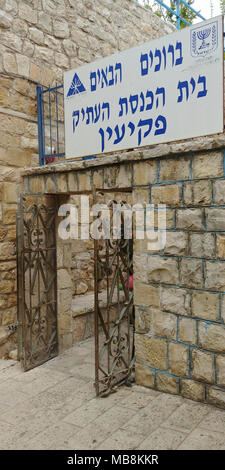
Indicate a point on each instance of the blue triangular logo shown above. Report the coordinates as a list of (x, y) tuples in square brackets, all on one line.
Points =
[(76, 86)]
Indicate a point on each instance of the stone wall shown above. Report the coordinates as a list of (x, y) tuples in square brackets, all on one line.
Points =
[(39, 39), (179, 292)]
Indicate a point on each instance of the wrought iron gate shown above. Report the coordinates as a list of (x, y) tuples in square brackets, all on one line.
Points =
[(114, 319), (37, 288)]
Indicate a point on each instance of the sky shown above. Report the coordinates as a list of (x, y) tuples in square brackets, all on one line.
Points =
[(204, 6)]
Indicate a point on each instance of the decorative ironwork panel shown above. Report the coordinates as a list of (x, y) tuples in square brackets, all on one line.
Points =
[(37, 281), (114, 321)]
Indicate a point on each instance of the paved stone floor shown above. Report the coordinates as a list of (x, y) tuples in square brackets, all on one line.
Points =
[(54, 407)]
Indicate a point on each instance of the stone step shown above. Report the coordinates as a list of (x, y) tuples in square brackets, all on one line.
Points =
[(13, 354)]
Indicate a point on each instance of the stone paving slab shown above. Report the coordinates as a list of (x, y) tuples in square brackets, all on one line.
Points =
[(54, 407)]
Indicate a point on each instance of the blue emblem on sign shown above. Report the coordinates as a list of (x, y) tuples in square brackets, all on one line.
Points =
[(76, 86), (204, 40)]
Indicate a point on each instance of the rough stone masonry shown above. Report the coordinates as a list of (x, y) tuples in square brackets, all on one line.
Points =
[(39, 40), (179, 292)]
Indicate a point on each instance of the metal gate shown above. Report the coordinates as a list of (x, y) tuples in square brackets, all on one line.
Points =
[(114, 319), (37, 281)]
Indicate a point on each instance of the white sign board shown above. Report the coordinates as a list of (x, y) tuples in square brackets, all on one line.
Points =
[(161, 91)]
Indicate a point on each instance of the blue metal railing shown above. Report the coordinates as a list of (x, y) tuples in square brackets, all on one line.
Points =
[(50, 110), (177, 13)]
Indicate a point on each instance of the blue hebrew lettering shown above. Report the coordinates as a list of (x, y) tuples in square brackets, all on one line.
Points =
[(123, 101), (160, 130), (102, 134), (158, 54), (202, 79), (144, 122), (179, 48), (118, 66), (119, 137), (97, 112), (89, 110), (104, 78), (109, 130), (171, 51), (180, 87), (111, 81), (193, 84), (99, 76), (160, 91), (133, 103), (142, 107), (132, 127), (105, 106), (151, 57), (144, 64), (93, 80), (76, 86), (83, 113), (149, 94), (76, 116), (164, 55)]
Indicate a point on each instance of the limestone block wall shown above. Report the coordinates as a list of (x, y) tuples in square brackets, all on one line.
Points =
[(180, 291), (39, 39)]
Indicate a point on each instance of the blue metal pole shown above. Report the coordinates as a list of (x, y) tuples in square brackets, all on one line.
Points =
[(178, 14), (40, 126)]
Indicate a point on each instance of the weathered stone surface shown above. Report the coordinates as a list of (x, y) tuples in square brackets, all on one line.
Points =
[(5, 20), (146, 295), (9, 214), (190, 219), (212, 337), (10, 193), (151, 350), (144, 376), (187, 330), (45, 22), (166, 383), (36, 36), (215, 275), (202, 245), (64, 323), (163, 324), (191, 273), (215, 219), (215, 396), (64, 300), (176, 243), (192, 390), (27, 13), (9, 63), (203, 366), (171, 169), (61, 28), (145, 173), (169, 194), (198, 193), (178, 359), (162, 270), (220, 363), (175, 300), (81, 287), (143, 319), (208, 165), (140, 267), (219, 192), (220, 245), (205, 305), (63, 279)]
